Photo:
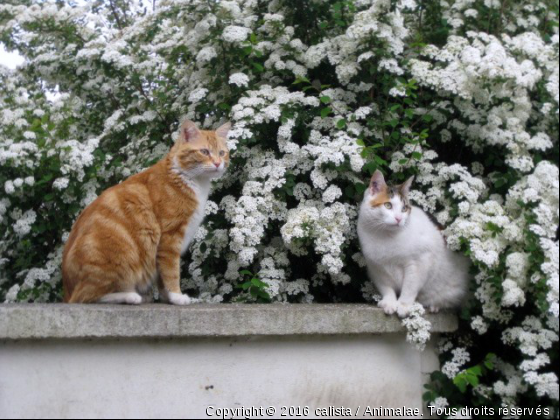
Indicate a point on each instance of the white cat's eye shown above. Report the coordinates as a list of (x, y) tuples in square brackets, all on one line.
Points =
[(405, 208), (389, 206), (205, 152)]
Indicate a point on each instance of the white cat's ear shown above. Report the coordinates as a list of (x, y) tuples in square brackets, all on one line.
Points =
[(405, 188), (377, 183), (188, 132), (223, 131)]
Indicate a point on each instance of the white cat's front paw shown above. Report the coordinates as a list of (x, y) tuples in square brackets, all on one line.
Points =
[(389, 306), (404, 309), (178, 299), (133, 299), (434, 309)]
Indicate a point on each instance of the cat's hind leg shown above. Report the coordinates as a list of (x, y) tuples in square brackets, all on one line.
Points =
[(129, 298), (90, 291), (104, 290)]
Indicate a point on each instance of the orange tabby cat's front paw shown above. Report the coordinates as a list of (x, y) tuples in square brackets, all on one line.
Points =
[(178, 299)]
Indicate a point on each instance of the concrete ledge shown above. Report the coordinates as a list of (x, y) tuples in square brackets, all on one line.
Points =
[(63, 321), (162, 361)]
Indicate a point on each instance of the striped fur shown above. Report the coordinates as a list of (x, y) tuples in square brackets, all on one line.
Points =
[(132, 235)]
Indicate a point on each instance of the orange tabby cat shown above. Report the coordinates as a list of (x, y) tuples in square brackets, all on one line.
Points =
[(135, 232)]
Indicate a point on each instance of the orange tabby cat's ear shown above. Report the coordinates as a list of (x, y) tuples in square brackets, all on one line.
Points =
[(189, 131), (223, 131)]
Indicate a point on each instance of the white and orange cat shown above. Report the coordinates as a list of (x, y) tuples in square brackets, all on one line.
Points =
[(406, 254), (134, 233)]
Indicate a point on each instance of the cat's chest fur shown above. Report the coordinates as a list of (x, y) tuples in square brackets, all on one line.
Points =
[(201, 192)]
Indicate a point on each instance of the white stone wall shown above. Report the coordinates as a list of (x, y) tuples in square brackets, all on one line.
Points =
[(183, 377)]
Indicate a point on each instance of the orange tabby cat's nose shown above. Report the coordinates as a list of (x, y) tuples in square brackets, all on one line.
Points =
[(217, 164)]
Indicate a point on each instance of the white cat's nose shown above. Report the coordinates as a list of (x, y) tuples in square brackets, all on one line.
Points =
[(398, 219)]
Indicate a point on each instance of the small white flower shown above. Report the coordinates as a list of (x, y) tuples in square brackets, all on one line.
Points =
[(236, 33), (61, 183), (239, 79)]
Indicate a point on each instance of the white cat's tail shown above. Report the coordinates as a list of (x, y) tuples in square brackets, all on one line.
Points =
[(450, 286)]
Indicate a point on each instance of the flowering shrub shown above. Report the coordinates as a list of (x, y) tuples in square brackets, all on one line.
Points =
[(463, 94)]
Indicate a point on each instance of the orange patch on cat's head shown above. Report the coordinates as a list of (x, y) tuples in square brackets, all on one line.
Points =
[(380, 198)]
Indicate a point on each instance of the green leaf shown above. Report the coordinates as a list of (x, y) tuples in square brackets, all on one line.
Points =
[(489, 361), (475, 370), (380, 161), (258, 283), (44, 179), (341, 124), (371, 167), (326, 99), (301, 79), (264, 295), (325, 112), (460, 383), (360, 188), (472, 379), (244, 286)]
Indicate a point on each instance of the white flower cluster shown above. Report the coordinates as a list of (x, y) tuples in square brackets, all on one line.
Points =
[(328, 227), (418, 327), (513, 67), (460, 358)]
